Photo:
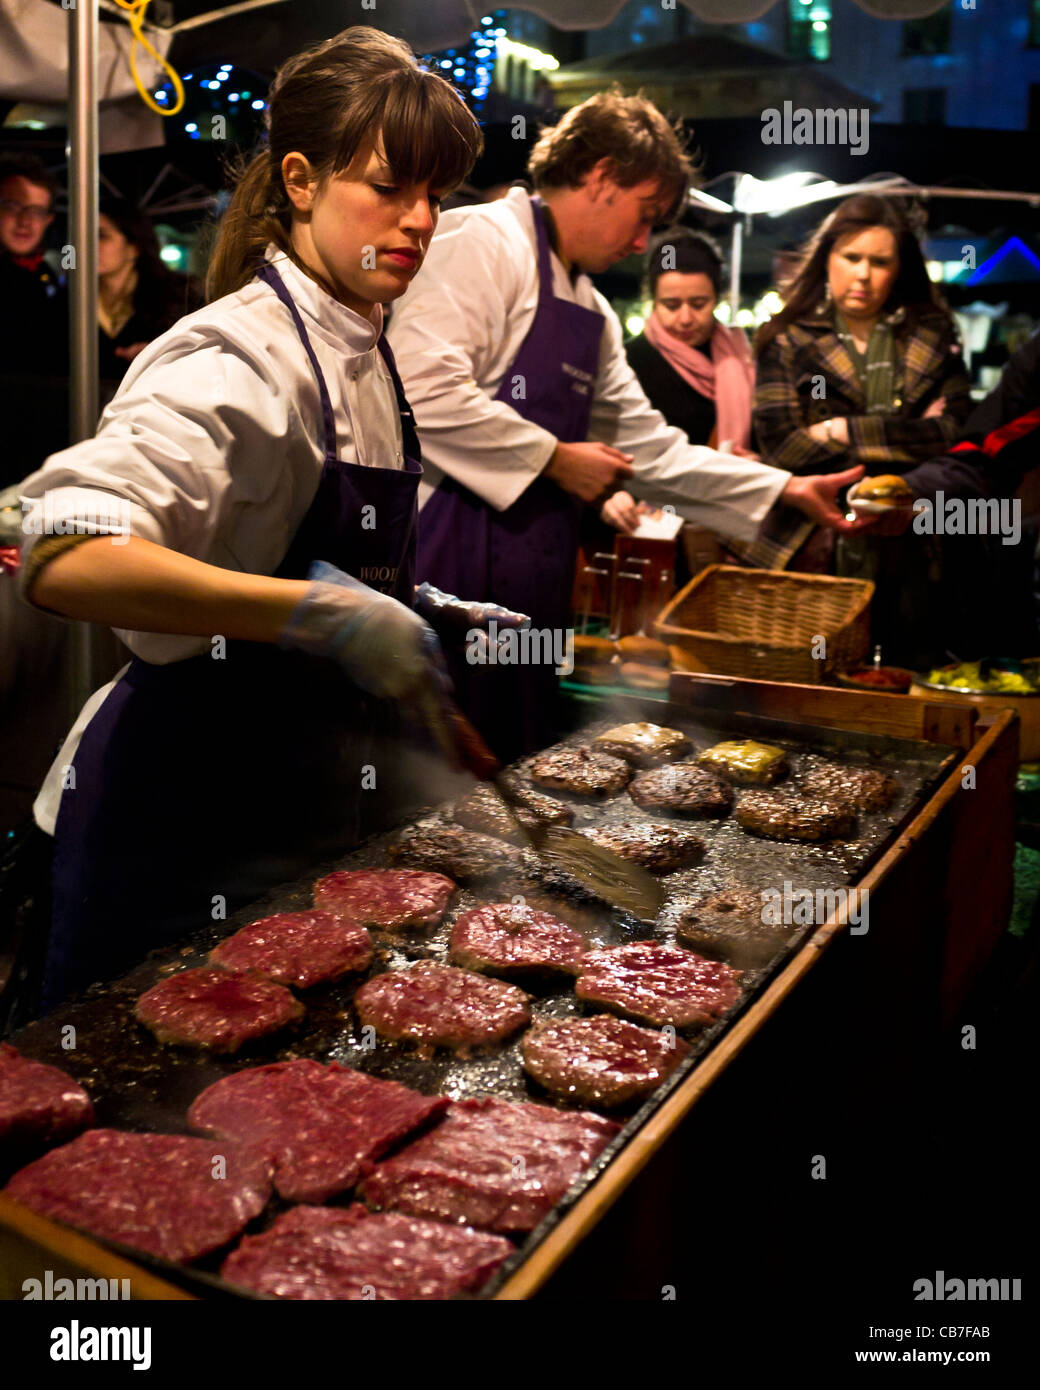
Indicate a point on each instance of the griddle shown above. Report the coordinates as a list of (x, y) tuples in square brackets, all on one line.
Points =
[(137, 1084)]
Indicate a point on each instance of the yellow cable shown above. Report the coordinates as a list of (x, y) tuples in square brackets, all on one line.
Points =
[(136, 11)]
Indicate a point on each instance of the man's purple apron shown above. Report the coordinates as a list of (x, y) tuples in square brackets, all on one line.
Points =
[(203, 783), (522, 557)]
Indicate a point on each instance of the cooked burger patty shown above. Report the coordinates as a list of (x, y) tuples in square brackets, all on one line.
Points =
[(746, 762), (354, 1254), (660, 848), (780, 816), (861, 788), (297, 948), (645, 745), (156, 1192), (462, 854), (500, 1165), (438, 1005), (485, 811), (581, 771), (728, 926), (315, 1124), (218, 1010), (658, 984), (684, 789), (508, 938), (385, 898), (39, 1104), (600, 1061)]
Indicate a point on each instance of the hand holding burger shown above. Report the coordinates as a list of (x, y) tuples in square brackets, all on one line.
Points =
[(885, 502)]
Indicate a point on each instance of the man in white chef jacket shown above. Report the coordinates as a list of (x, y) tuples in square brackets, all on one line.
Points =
[(526, 406)]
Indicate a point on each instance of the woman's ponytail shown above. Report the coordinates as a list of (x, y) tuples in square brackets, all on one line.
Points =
[(257, 214)]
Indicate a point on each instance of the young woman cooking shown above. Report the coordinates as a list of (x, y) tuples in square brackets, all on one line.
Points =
[(249, 503)]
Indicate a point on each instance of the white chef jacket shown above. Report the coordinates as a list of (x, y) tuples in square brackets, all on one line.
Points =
[(212, 446), (458, 331)]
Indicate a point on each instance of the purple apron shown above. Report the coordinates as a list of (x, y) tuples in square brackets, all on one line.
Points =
[(201, 784), (523, 557)]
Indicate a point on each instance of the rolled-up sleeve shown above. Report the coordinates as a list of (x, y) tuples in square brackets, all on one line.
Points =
[(187, 439), (723, 492)]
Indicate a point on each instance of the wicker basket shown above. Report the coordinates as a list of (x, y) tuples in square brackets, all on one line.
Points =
[(765, 624)]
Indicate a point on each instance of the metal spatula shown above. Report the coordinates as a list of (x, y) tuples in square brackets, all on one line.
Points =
[(617, 881)]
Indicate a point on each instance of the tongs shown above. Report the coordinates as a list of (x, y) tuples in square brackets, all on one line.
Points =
[(617, 881)]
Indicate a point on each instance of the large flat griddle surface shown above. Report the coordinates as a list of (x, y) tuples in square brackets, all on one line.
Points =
[(135, 1083)]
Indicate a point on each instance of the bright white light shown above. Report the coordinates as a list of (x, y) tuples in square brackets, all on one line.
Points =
[(935, 271), (722, 312), (225, 67), (767, 306), (213, 86), (160, 96), (257, 105), (191, 127), (486, 19), (820, 26), (170, 254), (634, 324), (533, 57), (757, 196), (232, 96), (445, 62), (482, 53), (745, 318)]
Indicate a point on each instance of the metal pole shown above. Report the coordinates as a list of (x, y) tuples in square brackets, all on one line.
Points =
[(736, 249), (83, 340)]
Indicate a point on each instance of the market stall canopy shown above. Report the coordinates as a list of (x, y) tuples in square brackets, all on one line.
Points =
[(262, 33), (34, 72)]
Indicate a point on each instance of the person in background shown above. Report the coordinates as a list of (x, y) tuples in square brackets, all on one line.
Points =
[(861, 366), (697, 372), (138, 298), (34, 341)]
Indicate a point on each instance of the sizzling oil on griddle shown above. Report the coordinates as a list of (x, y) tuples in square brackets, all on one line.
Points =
[(135, 1083)]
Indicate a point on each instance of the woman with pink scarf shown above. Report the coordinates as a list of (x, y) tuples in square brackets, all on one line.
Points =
[(697, 372)]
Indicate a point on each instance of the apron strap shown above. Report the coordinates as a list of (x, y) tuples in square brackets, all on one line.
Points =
[(270, 276), (546, 294), (409, 433)]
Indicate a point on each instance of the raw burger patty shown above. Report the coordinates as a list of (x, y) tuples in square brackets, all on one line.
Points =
[(297, 948), (329, 1253), (581, 771), (658, 984), (484, 810), (861, 788), (385, 898), (728, 926), (39, 1105), (437, 1005), (780, 816), (215, 1009), (682, 788), (156, 1192), (659, 848), (499, 1165), (505, 938), (645, 745), (463, 854), (602, 1060), (315, 1124), (746, 762)]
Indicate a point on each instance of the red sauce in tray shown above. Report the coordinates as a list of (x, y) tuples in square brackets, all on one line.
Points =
[(882, 677)]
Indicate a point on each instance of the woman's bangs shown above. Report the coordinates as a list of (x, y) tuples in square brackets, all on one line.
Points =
[(429, 134)]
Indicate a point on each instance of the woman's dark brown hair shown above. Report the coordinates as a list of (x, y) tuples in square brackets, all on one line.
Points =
[(325, 103), (806, 292)]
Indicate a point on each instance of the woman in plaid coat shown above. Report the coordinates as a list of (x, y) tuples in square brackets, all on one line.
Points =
[(861, 366)]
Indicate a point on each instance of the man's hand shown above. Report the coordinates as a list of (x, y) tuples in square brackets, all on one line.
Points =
[(621, 512), (589, 471), (816, 496), (936, 408), (833, 431)]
